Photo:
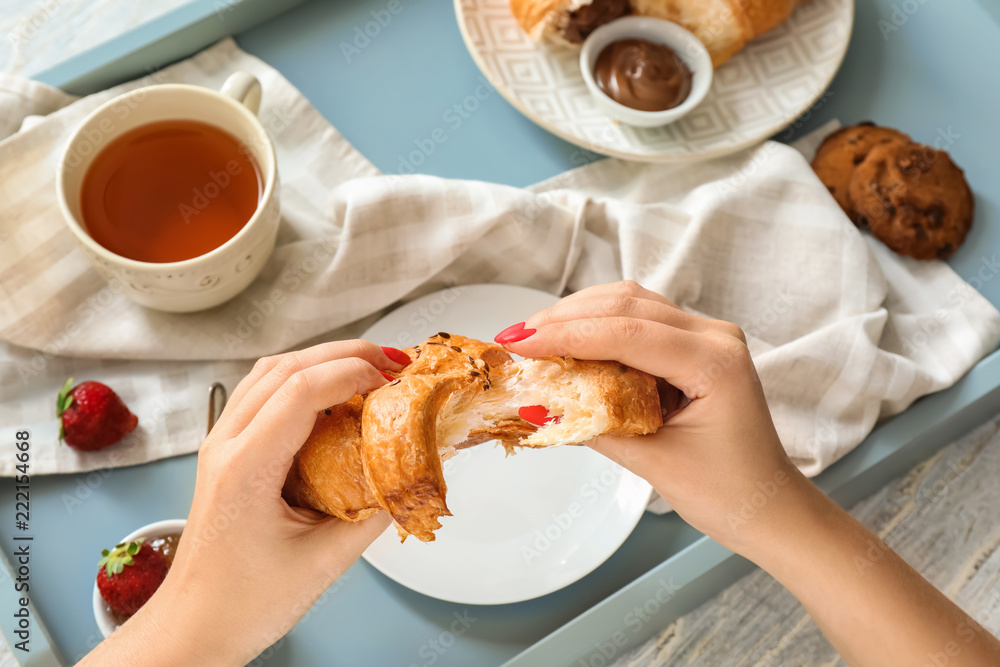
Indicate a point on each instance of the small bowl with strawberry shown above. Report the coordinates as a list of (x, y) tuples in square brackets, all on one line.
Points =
[(129, 573)]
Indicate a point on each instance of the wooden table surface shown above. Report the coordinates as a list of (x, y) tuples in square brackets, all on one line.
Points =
[(41, 33), (943, 517)]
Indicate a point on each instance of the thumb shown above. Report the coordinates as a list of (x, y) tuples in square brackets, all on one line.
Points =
[(338, 544)]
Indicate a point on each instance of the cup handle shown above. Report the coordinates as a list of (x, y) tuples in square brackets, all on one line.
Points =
[(245, 89)]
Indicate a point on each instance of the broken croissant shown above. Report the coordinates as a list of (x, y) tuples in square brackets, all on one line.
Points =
[(385, 451), (723, 26)]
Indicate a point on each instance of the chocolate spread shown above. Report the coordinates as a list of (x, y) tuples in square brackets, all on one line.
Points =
[(589, 18), (642, 75)]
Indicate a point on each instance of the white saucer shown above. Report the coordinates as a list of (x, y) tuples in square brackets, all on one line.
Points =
[(524, 525)]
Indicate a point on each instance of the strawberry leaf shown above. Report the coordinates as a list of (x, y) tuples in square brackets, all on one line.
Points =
[(115, 560), (64, 400)]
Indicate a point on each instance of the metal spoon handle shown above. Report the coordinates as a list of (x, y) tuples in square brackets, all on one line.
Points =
[(216, 402)]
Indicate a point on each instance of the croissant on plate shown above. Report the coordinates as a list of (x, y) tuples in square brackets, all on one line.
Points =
[(385, 451), (723, 26)]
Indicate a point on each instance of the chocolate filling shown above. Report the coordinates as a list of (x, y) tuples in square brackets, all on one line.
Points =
[(589, 18)]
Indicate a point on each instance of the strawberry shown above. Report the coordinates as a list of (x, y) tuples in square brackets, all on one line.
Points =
[(537, 415), (129, 574), (92, 416)]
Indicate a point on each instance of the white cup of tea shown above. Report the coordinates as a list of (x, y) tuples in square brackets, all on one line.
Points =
[(173, 192)]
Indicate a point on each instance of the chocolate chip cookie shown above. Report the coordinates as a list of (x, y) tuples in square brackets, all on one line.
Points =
[(913, 198), (842, 151)]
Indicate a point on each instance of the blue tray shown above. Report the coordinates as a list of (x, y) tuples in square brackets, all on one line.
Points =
[(397, 91)]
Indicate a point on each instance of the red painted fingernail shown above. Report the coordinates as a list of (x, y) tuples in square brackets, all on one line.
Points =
[(513, 334), (387, 376), (537, 415), (398, 356)]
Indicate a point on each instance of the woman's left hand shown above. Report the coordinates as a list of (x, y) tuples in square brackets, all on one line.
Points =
[(249, 566)]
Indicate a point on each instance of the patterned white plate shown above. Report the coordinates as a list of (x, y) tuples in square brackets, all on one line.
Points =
[(771, 82)]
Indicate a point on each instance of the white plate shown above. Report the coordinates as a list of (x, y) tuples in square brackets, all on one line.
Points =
[(524, 525), (767, 85)]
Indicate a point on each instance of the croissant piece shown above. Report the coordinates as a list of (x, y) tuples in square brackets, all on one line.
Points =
[(327, 474), (765, 15), (456, 393), (723, 26)]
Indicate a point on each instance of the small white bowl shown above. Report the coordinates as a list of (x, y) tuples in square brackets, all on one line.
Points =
[(686, 45), (157, 529)]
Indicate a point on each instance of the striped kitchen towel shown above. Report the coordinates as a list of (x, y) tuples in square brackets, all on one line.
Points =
[(843, 332)]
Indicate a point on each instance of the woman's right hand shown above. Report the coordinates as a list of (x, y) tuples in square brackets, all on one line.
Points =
[(717, 460)]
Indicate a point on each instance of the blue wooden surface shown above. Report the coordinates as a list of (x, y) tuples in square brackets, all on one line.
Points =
[(924, 78)]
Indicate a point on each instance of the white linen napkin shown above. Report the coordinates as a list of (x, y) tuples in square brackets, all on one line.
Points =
[(843, 332)]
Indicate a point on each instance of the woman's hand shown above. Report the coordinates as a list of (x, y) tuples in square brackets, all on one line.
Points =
[(718, 453), (249, 566), (718, 461)]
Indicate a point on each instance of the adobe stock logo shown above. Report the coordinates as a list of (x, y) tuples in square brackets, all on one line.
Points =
[(589, 492), (607, 649), (763, 492), (898, 17), (216, 183), (435, 647)]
